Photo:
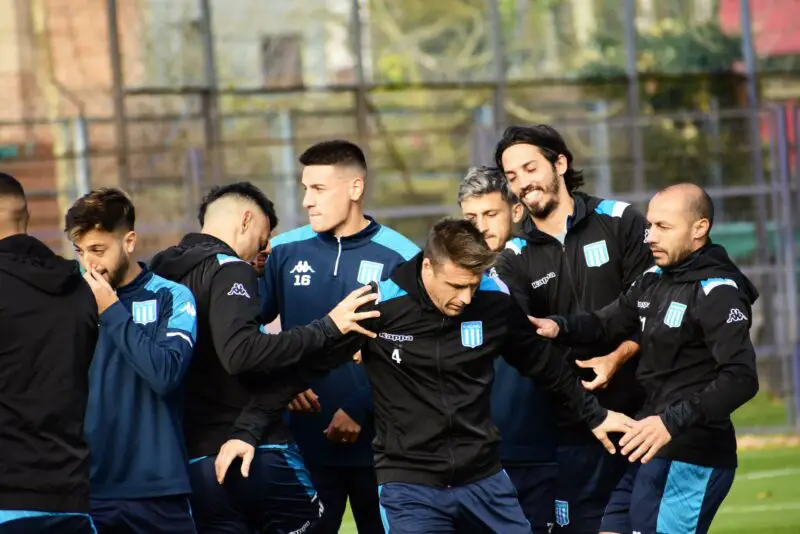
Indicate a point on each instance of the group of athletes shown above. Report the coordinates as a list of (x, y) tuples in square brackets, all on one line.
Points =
[(550, 362)]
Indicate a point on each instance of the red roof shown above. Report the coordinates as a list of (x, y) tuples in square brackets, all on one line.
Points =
[(775, 24)]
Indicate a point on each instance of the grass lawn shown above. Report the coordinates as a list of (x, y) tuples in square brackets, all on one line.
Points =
[(766, 492)]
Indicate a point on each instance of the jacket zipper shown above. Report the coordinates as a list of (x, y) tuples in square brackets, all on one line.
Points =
[(338, 257), (446, 405), (565, 259)]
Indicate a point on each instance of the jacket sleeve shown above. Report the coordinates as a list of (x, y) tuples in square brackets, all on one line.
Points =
[(161, 361), (511, 269), (271, 393), (617, 320), (724, 316), (240, 341), (637, 257), (270, 300), (536, 357)]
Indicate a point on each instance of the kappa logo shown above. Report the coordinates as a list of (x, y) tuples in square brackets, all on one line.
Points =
[(596, 254), (536, 284), (735, 316), (396, 338), (562, 513), (472, 334), (302, 273), (301, 267), (646, 234), (144, 312), (189, 309), (642, 305), (238, 290)]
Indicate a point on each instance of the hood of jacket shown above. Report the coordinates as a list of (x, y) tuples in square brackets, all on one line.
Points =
[(175, 262), (32, 262), (712, 261)]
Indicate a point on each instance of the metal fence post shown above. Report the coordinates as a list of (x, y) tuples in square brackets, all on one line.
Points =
[(632, 73), (83, 181), (287, 184), (120, 115), (789, 255), (601, 145)]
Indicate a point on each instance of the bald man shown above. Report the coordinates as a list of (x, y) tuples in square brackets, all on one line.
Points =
[(238, 384), (48, 331), (693, 309)]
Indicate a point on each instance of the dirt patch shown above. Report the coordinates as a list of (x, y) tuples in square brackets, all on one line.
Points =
[(758, 442)]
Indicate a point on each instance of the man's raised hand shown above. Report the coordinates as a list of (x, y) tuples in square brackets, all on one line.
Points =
[(614, 422), (545, 327), (345, 316)]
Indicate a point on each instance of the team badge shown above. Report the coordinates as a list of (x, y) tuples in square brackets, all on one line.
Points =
[(596, 254), (562, 513), (144, 312), (674, 315), (472, 334), (369, 271)]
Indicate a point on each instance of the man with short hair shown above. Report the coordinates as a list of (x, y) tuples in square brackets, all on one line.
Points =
[(576, 253), (442, 324), (48, 331), (693, 309), (236, 391), (520, 409), (147, 334), (308, 271)]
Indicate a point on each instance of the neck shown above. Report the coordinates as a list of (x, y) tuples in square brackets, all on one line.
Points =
[(223, 234), (131, 274), (353, 224), (11, 230), (556, 221)]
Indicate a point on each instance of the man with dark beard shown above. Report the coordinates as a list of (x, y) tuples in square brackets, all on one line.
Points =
[(576, 253), (139, 479)]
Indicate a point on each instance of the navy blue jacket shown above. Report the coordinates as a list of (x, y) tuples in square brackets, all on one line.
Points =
[(306, 276), (133, 420), (523, 414)]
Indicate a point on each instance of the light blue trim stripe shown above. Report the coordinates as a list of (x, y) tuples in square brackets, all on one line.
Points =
[(7, 516), (295, 461), (489, 283), (227, 258), (384, 517), (388, 290), (304, 233), (396, 241), (683, 497), (180, 317)]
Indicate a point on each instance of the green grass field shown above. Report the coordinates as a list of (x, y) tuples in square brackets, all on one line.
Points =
[(766, 493)]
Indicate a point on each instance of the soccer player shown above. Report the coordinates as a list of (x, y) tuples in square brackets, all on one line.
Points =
[(576, 253), (309, 270), (442, 324), (228, 412), (693, 309), (147, 332), (520, 409), (48, 330)]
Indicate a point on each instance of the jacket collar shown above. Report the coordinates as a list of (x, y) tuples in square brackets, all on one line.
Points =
[(352, 241), (137, 283), (584, 206)]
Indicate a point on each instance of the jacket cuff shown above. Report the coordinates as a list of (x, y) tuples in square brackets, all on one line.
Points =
[(114, 314), (680, 416), (244, 435), (563, 326), (330, 329), (598, 416)]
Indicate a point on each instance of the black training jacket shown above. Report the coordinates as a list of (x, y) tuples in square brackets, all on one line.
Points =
[(48, 332), (697, 362), (431, 378), (227, 393), (603, 253)]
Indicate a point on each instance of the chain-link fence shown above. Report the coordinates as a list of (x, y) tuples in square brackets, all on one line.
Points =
[(166, 98)]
